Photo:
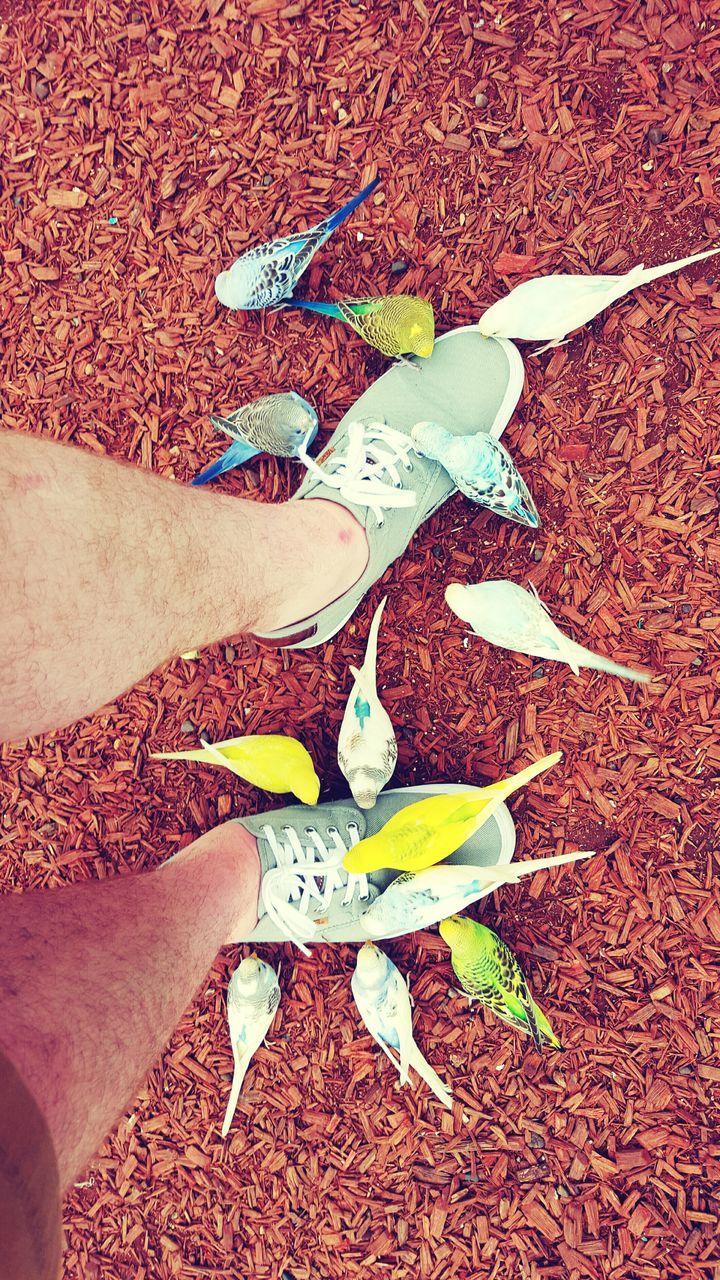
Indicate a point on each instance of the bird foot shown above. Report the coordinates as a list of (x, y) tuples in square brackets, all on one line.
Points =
[(463, 995), (548, 346), (404, 360)]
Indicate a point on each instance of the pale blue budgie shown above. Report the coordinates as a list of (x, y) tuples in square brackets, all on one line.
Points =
[(481, 468), (419, 899), (252, 1001), (278, 424), (268, 273), (383, 1001), (507, 615)]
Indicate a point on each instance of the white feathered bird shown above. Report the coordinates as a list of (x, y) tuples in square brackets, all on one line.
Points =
[(252, 1000), (367, 748), (419, 899), (507, 615), (383, 1001), (548, 308)]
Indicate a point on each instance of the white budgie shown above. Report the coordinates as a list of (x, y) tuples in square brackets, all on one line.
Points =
[(367, 749), (548, 308), (507, 615), (419, 899), (252, 1001), (383, 1001)]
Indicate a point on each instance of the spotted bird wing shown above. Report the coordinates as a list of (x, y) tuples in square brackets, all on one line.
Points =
[(513, 994), (494, 481), (368, 317), (279, 265)]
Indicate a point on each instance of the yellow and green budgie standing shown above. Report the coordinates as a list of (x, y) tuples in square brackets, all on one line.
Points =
[(399, 325), (488, 971)]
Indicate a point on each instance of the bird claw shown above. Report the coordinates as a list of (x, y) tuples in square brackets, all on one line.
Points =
[(404, 360), (548, 346)]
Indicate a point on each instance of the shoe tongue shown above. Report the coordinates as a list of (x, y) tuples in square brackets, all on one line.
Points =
[(300, 817)]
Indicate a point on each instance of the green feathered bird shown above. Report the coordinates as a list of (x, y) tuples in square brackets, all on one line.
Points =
[(399, 325), (488, 971)]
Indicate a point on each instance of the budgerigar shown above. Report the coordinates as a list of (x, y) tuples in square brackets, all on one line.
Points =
[(281, 424), (424, 833), (367, 749), (383, 1001), (481, 468), (548, 308), (252, 1000), (268, 273), (417, 900), (399, 325), (507, 615), (268, 760), (488, 971)]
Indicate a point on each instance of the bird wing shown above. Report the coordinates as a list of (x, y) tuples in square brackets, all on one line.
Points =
[(278, 268), (516, 991), (247, 1032), (399, 1012)]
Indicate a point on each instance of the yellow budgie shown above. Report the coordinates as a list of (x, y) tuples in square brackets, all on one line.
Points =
[(426, 832), (268, 760), (398, 325)]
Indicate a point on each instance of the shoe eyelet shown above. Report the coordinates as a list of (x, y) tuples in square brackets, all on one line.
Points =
[(353, 826), (311, 831), (363, 897), (408, 466), (333, 831)]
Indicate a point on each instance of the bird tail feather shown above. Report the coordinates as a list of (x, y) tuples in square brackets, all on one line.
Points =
[(235, 456), (336, 219), (654, 273), (369, 666), (507, 786), (513, 871), (597, 662), (324, 308), (431, 1077), (241, 1066)]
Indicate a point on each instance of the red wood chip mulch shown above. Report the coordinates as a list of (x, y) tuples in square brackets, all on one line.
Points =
[(144, 146)]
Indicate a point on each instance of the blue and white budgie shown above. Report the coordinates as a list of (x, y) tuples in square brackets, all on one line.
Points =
[(267, 274), (367, 747), (419, 899), (481, 468), (281, 424), (507, 615), (383, 1001), (252, 1000), (548, 308)]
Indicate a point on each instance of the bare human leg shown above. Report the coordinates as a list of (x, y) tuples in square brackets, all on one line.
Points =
[(95, 977), (106, 571)]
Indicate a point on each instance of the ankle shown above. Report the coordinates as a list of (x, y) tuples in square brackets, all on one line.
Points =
[(329, 554)]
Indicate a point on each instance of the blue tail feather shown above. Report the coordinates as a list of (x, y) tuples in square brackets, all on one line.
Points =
[(336, 218), (235, 456), (325, 308)]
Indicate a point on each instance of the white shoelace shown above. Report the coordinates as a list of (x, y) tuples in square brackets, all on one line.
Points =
[(375, 453), (307, 875)]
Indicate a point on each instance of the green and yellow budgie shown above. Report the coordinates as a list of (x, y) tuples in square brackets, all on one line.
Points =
[(399, 325), (488, 971), (267, 760), (426, 832)]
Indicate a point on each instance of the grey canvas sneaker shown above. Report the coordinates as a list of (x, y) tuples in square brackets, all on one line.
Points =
[(307, 896), (468, 384)]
